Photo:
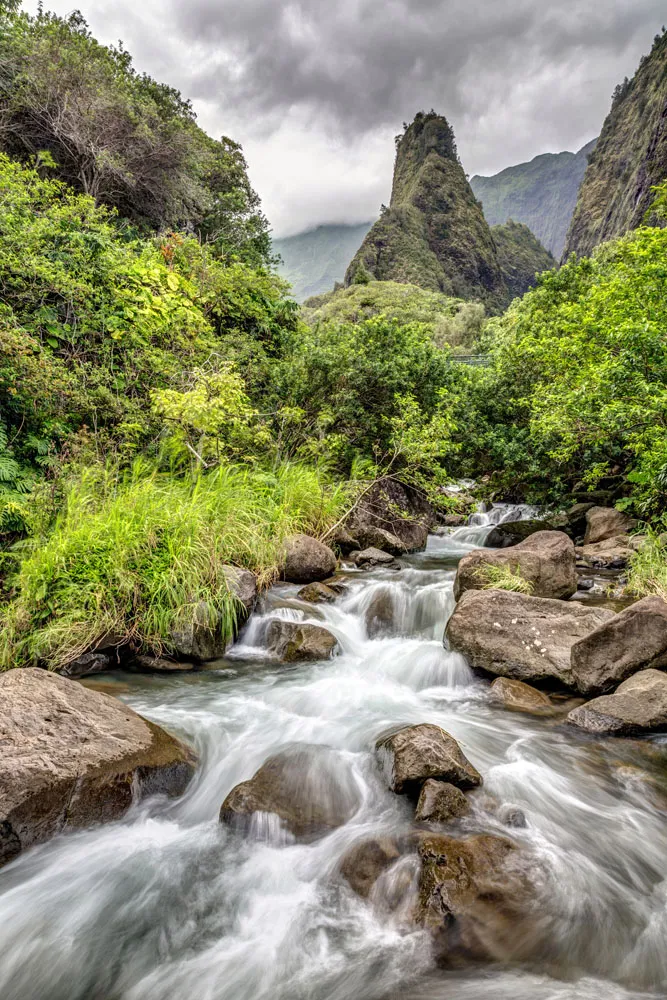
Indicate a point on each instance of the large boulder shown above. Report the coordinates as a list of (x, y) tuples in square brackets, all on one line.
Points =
[(363, 864), (72, 758), (396, 508), (309, 787), (630, 641), (639, 705), (200, 638), (546, 560), (368, 558), (411, 755), (606, 522), (379, 615), (525, 638), (306, 559), (242, 584), (440, 802), (572, 521), (513, 532), (519, 697), (294, 642), (611, 553), (475, 897), (371, 536), (317, 593)]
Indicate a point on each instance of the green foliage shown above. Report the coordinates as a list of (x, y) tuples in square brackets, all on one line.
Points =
[(647, 572), (521, 256), (134, 556), (503, 578), (77, 108)]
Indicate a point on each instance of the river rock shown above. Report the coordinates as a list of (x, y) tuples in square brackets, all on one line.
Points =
[(89, 663), (343, 540), (439, 802), (513, 532), (72, 758), (639, 705), (612, 553), (411, 755), (475, 897), (309, 787), (306, 559), (371, 536), (317, 593), (520, 697), (294, 642), (525, 638), (366, 860), (546, 560), (243, 585), (398, 509), (572, 521), (380, 614), (372, 557), (606, 522), (200, 639), (630, 641), (159, 665), (454, 521)]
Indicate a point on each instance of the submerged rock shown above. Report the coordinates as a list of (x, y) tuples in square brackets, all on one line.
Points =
[(293, 642), (639, 705), (524, 638), (380, 615), (606, 522), (309, 787), (306, 560), (520, 697), (632, 640), (367, 860), (160, 665), (439, 802), (546, 560), (72, 758), (413, 754)]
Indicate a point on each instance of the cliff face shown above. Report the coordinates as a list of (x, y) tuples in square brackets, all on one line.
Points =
[(630, 157), (521, 256), (542, 194), (434, 233)]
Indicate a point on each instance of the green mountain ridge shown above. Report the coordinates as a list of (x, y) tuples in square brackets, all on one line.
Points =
[(541, 193), (315, 260), (629, 159)]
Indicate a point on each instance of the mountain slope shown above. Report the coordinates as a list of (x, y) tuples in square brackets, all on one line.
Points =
[(630, 157), (434, 233), (541, 194), (314, 261), (521, 256)]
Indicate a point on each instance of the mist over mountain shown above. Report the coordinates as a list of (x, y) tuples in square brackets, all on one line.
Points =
[(315, 260)]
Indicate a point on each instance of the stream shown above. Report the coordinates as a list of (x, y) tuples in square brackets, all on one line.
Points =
[(170, 905)]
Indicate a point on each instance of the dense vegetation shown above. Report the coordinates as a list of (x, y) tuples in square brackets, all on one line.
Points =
[(541, 194), (167, 409), (521, 256)]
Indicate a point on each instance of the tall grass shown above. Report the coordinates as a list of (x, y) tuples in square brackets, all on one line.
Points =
[(133, 557), (647, 572), (493, 577)]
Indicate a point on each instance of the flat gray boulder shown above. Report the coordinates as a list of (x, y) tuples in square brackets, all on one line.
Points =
[(368, 558), (639, 705), (309, 787), (293, 642), (525, 638), (305, 559), (630, 641), (546, 560), (72, 758), (606, 522), (411, 755)]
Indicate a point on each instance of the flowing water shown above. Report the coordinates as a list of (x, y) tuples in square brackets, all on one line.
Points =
[(170, 905)]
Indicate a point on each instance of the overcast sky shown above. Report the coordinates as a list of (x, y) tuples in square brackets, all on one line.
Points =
[(315, 90)]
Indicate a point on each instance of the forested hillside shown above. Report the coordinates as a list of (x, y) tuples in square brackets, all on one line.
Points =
[(541, 194), (629, 160), (314, 261)]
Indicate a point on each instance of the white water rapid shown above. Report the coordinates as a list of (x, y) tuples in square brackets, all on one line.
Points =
[(170, 905)]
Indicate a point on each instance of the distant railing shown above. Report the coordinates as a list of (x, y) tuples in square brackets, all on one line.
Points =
[(477, 360)]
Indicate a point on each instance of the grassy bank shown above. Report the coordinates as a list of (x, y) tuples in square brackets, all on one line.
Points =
[(133, 556), (647, 573)]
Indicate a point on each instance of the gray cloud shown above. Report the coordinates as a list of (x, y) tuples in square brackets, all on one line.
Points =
[(315, 89)]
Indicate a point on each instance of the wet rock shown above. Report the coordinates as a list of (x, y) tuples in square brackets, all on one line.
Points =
[(454, 521), (343, 541), (520, 697), (639, 705), (293, 642), (305, 560), (90, 663), (317, 593), (72, 758), (367, 860), (372, 557), (243, 585), (160, 665), (572, 521), (411, 755), (514, 532), (475, 897), (606, 522), (309, 787), (380, 615), (512, 816), (200, 639), (398, 509), (524, 638), (440, 802), (546, 560), (335, 585), (371, 536), (612, 553), (632, 640)]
